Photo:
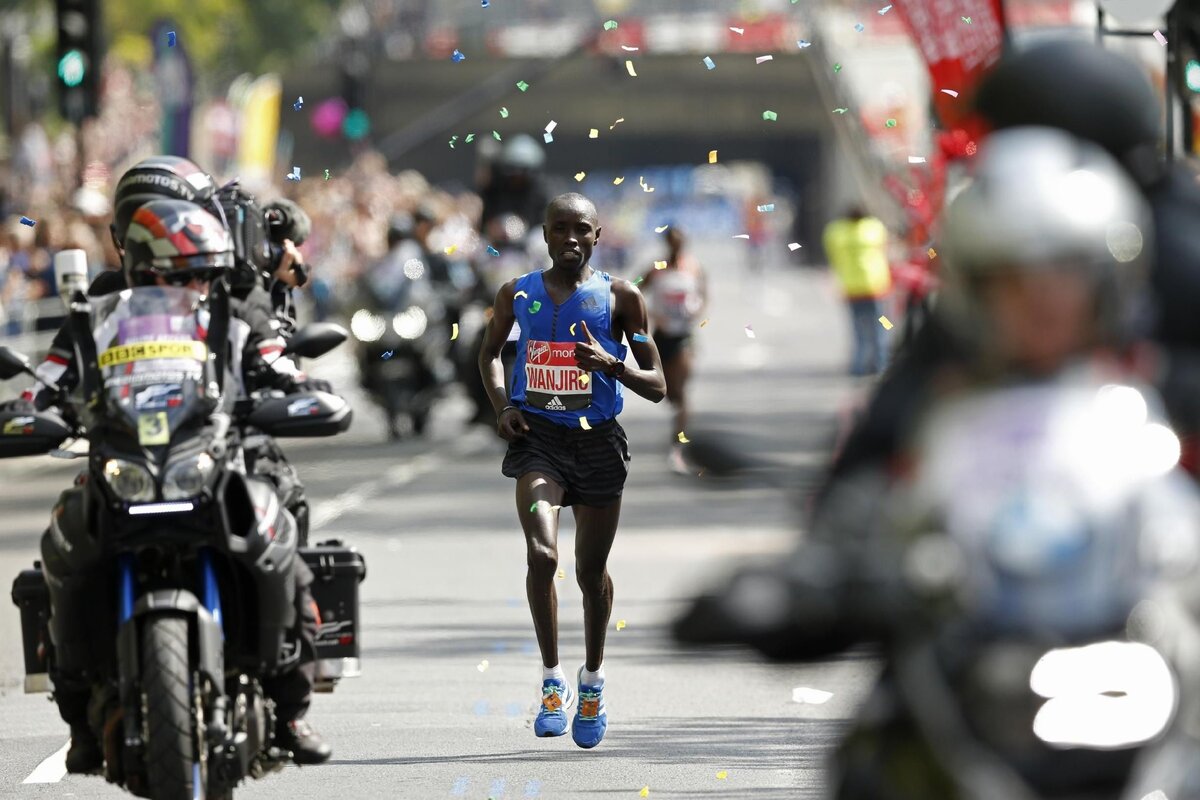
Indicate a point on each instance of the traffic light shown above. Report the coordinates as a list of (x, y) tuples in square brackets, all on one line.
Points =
[(79, 53), (1191, 75)]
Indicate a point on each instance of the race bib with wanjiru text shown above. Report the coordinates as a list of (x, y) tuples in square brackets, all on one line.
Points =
[(552, 377), (145, 351)]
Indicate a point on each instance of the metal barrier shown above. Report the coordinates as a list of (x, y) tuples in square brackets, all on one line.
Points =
[(30, 341)]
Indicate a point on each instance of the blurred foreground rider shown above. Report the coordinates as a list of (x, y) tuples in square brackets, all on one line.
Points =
[(176, 243)]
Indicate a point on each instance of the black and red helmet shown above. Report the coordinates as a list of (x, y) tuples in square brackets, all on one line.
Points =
[(157, 178), (177, 241)]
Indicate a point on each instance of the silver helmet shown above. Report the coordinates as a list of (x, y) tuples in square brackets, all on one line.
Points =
[(1043, 200)]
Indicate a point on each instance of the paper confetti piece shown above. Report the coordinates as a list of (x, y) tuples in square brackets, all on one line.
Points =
[(769, 207), (884, 10), (457, 56), (387, 355), (837, 67), (742, 236), (738, 31), (523, 86), (660, 265), (712, 156), (573, 324), (722, 775), (750, 332), (470, 138), (702, 324), (550, 128), (496, 136), (562, 574), (770, 116), (629, 68), (803, 43), (299, 104), (645, 792), (708, 62), (618, 181), (519, 294), (579, 176), (453, 331), (620, 624), (615, 124), (793, 246), (641, 337), (661, 228), (629, 49), (503, 113), (171, 38), (326, 174), (583, 423), (645, 186), (496, 253), (295, 175), (594, 133), (764, 59), (484, 3), (950, 92), (547, 137), (916, 159), (886, 323), (803, 694), (932, 253), (891, 123), (860, 27), (28, 222), (535, 306), (682, 439), (483, 665), (1160, 38), (840, 110), (584, 380), (450, 250), (533, 508), (967, 20), (611, 25), (453, 139), (639, 280)]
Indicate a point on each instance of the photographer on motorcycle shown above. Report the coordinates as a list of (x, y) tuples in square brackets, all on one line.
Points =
[(1045, 253), (202, 253)]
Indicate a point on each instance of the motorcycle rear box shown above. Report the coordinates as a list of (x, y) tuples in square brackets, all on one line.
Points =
[(337, 571), (32, 597)]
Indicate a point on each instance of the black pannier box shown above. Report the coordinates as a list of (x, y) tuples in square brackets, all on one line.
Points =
[(32, 597), (337, 571)]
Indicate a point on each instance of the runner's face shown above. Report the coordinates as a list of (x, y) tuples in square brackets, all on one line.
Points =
[(570, 235)]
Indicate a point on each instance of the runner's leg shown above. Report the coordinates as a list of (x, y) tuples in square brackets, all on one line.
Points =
[(595, 529), (541, 541)]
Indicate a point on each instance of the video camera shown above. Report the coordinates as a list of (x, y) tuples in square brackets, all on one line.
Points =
[(258, 234)]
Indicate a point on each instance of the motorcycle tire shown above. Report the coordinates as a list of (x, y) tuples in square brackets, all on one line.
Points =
[(170, 746)]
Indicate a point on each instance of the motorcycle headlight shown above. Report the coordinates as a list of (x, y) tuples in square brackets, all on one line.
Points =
[(187, 478), (410, 323), (367, 327), (130, 482)]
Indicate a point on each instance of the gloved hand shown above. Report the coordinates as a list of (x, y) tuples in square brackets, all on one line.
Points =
[(19, 405), (315, 385)]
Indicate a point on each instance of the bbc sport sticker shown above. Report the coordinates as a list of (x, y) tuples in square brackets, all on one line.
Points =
[(124, 354)]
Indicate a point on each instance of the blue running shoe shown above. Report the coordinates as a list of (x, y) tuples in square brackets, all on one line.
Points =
[(557, 697), (591, 718)]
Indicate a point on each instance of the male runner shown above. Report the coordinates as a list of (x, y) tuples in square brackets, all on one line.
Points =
[(566, 447)]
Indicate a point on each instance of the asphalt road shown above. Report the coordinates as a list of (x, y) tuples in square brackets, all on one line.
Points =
[(451, 676)]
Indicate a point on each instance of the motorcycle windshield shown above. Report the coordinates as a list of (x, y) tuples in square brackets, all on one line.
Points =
[(153, 359)]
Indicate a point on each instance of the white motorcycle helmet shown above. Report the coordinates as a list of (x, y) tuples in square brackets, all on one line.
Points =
[(1041, 200)]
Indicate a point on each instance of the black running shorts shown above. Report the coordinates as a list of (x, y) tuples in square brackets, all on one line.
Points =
[(671, 346), (590, 465)]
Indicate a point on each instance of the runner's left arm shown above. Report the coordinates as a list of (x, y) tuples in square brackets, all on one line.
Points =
[(632, 320)]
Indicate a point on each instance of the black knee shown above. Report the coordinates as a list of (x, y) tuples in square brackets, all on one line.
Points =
[(592, 581), (543, 561)]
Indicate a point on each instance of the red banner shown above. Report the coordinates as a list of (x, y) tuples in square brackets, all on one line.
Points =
[(959, 40)]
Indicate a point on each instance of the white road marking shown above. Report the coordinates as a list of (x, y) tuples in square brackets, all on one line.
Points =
[(52, 769)]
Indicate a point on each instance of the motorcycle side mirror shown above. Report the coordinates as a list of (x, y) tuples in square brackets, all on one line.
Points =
[(315, 340), (12, 364)]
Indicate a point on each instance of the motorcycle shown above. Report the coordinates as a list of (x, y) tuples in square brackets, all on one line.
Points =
[(192, 559), (403, 340), (1030, 581)]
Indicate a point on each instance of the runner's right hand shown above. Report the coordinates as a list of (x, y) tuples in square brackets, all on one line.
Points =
[(511, 424)]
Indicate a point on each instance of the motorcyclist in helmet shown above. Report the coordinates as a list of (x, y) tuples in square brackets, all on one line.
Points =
[(177, 243), (516, 185)]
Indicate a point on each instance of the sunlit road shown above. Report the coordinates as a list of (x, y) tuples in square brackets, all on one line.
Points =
[(451, 677)]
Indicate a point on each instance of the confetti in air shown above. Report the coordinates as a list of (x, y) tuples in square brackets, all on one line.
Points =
[(967, 20), (521, 294), (573, 324), (770, 116), (629, 49), (584, 380), (712, 156), (750, 332), (886, 323), (483, 665), (535, 306), (28, 222), (932, 253), (803, 43), (803, 694), (523, 86), (742, 236), (503, 113), (457, 56), (299, 104), (326, 174), (645, 792), (916, 159), (579, 176), (682, 439), (860, 27), (702, 324), (793, 246), (629, 68), (722, 775), (615, 124), (611, 25), (660, 265), (295, 175), (950, 92), (484, 3), (708, 62), (450, 250), (764, 59), (620, 624), (453, 331), (661, 228), (641, 337), (840, 110), (170, 38), (594, 133), (496, 136), (738, 31), (884, 10), (891, 123), (547, 137), (618, 181), (766, 209), (1160, 38), (583, 423)]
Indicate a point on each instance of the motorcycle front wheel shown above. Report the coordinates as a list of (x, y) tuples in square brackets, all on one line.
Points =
[(171, 763)]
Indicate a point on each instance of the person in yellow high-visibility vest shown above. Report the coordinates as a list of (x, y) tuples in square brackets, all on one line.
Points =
[(857, 247)]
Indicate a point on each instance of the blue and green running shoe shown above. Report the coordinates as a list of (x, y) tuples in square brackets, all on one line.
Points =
[(557, 697), (591, 718)]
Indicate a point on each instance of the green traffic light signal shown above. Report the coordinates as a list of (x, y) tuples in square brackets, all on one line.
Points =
[(1191, 75), (71, 68)]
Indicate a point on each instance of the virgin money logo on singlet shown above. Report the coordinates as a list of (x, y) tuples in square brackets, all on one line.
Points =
[(552, 377)]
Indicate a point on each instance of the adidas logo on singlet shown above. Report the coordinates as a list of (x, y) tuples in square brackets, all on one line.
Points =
[(555, 404)]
